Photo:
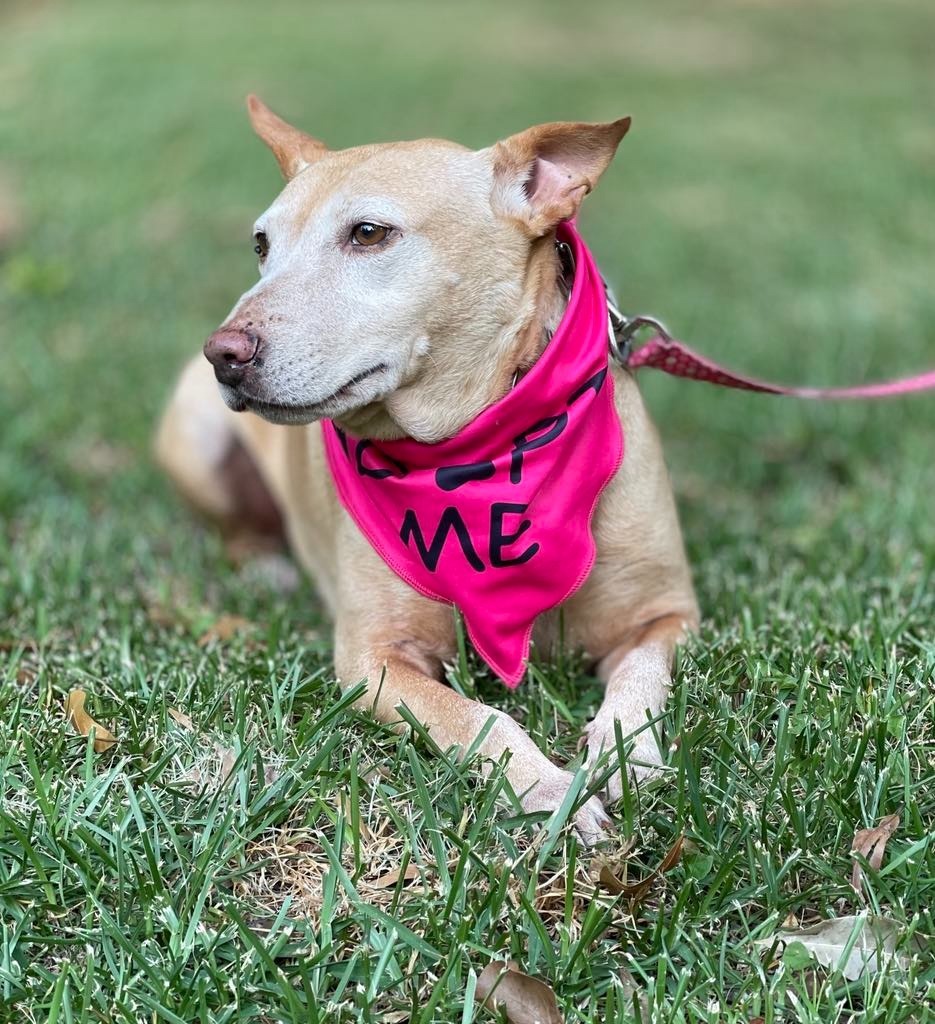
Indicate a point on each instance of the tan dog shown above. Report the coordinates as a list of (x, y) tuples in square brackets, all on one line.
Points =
[(401, 287)]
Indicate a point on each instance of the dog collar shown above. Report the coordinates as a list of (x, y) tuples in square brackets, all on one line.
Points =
[(497, 519)]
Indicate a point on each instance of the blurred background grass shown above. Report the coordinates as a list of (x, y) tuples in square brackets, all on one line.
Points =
[(773, 203)]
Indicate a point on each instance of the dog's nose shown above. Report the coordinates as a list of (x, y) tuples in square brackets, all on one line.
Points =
[(230, 352)]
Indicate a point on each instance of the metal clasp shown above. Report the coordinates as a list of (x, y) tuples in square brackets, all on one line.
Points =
[(566, 258), (622, 329)]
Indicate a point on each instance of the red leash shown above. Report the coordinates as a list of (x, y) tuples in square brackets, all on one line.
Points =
[(673, 357)]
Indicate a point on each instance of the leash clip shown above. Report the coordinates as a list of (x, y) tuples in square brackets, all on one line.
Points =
[(566, 258), (623, 329)]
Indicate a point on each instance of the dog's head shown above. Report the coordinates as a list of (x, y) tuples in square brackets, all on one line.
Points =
[(395, 279)]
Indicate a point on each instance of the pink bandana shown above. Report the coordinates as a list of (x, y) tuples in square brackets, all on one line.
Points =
[(497, 519)]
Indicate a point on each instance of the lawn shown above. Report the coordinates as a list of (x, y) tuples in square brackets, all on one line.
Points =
[(251, 848)]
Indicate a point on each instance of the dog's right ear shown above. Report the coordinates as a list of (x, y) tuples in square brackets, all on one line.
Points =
[(293, 149)]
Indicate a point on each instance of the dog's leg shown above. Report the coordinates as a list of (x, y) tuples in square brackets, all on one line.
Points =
[(637, 675), (399, 672)]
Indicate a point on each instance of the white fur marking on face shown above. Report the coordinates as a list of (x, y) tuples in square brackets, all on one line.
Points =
[(438, 307)]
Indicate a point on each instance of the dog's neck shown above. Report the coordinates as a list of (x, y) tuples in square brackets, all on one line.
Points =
[(442, 399)]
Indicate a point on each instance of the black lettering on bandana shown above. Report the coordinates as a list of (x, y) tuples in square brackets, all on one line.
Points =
[(450, 478), (398, 470), (552, 425), (499, 540), (594, 384), (450, 520)]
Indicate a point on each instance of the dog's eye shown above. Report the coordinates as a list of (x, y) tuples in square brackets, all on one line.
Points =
[(366, 233), (262, 244)]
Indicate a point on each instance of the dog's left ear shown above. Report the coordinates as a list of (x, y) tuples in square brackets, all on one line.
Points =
[(293, 149), (542, 174)]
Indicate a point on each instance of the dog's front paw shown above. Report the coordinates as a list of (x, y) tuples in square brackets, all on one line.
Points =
[(644, 762), (590, 820)]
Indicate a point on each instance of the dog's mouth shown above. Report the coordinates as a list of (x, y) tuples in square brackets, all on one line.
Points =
[(295, 413)]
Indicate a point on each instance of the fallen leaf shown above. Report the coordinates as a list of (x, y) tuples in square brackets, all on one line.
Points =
[(871, 844), (610, 881), (194, 777), (8, 644), (874, 946), (604, 869), (224, 629), (228, 758), (524, 1000), (104, 739), (392, 877), (673, 857), (636, 891), (162, 615), (180, 718)]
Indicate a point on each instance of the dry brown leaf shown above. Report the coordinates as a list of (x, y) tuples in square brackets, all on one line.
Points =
[(852, 945), (228, 758), (610, 881), (606, 869), (524, 999), (223, 629), (104, 739), (8, 644), (180, 718), (871, 843), (637, 891), (392, 877), (162, 616), (673, 857)]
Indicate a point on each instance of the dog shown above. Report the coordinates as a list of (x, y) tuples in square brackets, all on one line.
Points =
[(404, 287)]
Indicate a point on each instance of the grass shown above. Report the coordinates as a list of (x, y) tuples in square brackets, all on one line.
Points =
[(276, 856)]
